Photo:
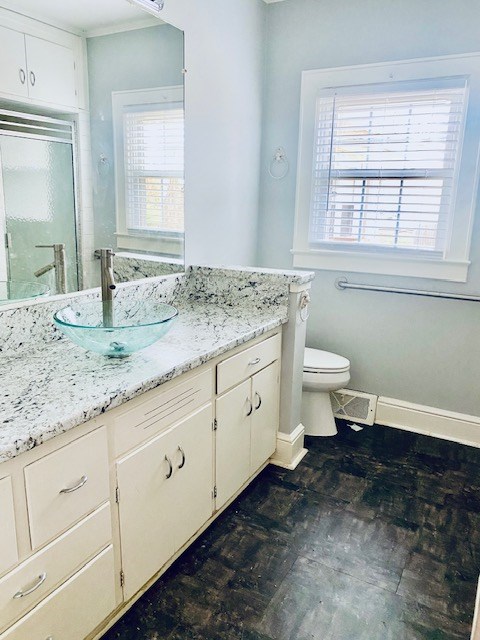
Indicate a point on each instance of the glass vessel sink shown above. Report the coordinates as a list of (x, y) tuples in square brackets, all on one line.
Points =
[(11, 290), (134, 327)]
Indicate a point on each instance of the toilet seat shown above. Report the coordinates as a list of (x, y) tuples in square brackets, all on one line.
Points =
[(316, 361)]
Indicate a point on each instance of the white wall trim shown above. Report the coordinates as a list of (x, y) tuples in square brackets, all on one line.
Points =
[(430, 421), (476, 618), (357, 262), (290, 450)]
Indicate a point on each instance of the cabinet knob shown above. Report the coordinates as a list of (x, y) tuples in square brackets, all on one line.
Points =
[(259, 400), (33, 79), (22, 75), (250, 406), (22, 593), (170, 467), (182, 464)]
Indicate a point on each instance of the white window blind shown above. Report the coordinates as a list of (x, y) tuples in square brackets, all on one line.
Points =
[(384, 167), (154, 168)]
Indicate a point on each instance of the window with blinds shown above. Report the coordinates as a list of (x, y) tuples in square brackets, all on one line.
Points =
[(384, 166), (153, 138)]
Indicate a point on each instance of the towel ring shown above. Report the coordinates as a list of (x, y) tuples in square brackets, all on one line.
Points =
[(279, 158)]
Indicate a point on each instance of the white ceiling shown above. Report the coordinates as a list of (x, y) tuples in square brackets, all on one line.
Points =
[(82, 16)]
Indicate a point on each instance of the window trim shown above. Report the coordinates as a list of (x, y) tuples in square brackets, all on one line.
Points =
[(158, 242), (455, 262)]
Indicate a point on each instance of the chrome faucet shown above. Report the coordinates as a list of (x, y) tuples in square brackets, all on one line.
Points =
[(59, 264), (108, 285)]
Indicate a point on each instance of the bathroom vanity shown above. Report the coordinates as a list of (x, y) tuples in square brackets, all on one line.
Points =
[(109, 469)]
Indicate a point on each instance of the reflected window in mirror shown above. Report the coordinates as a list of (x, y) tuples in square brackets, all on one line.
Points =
[(149, 156)]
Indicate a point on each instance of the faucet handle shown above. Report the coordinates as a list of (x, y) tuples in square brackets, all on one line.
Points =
[(108, 253)]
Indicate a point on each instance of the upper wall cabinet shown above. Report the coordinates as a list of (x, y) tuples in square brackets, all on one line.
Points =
[(37, 69), (51, 71), (13, 64)]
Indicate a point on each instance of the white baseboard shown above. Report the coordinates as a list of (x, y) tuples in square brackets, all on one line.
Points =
[(290, 450), (430, 421)]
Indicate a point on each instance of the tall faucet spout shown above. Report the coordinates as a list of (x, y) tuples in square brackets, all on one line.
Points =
[(108, 285), (110, 279)]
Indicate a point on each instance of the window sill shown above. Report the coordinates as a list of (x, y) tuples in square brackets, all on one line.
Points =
[(158, 244), (452, 270)]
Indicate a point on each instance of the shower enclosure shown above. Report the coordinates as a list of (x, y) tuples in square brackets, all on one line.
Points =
[(37, 200)]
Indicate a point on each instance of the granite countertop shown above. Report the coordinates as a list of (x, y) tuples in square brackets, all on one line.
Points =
[(59, 386)]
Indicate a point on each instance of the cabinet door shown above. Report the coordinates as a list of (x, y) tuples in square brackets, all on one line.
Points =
[(146, 531), (265, 417), (13, 67), (233, 441), (192, 488), (51, 72), (8, 536)]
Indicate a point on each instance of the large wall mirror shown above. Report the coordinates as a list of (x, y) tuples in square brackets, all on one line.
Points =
[(91, 144)]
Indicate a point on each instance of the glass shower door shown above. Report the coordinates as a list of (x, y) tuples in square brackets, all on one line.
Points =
[(38, 207)]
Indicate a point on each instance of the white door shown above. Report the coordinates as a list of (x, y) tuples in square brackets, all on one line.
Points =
[(265, 416), (51, 72), (234, 409), (146, 530), (13, 67), (192, 457)]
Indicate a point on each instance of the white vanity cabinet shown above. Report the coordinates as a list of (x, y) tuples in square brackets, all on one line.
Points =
[(92, 517), (247, 415), (165, 496), (8, 535), (37, 69)]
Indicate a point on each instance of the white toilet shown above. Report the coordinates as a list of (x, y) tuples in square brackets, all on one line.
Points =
[(322, 372)]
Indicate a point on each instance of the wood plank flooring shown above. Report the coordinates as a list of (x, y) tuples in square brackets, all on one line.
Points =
[(375, 536)]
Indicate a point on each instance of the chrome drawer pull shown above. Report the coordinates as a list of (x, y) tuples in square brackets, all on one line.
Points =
[(249, 412), (21, 594), (254, 362), (259, 404), (170, 467), (83, 480), (182, 464)]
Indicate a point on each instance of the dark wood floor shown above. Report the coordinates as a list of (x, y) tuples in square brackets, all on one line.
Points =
[(375, 536)]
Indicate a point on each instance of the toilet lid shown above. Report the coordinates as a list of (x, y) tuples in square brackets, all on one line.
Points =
[(316, 361)]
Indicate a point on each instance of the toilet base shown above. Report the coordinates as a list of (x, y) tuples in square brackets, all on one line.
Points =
[(317, 414)]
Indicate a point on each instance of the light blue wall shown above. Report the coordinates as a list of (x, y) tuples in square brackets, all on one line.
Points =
[(138, 59), (419, 350), (224, 43)]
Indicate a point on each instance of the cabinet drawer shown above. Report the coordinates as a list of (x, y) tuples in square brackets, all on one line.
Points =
[(241, 366), (66, 485), (74, 610), (53, 565), (8, 536), (159, 411)]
